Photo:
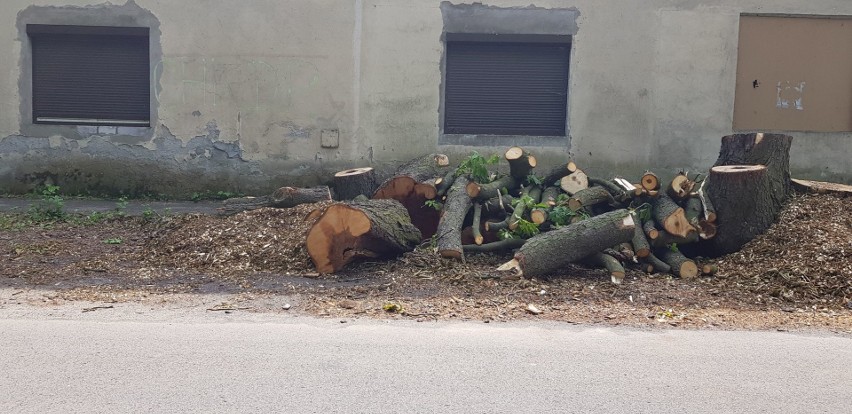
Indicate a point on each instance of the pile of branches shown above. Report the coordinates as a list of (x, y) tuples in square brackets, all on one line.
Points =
[(549, 219), (565, 215)]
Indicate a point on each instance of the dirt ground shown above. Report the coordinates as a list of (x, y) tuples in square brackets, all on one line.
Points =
[(798, 276)]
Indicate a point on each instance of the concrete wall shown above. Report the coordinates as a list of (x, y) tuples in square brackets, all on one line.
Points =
[(243, 91)]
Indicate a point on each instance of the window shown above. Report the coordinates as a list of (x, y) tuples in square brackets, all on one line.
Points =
[(506, 84), (90, 75), (794, 74)]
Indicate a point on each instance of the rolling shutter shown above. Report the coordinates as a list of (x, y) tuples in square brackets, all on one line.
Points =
[(90, 75), (506, 88)]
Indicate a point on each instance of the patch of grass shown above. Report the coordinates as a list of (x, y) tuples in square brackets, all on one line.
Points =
[(49, 208), (116, 240)]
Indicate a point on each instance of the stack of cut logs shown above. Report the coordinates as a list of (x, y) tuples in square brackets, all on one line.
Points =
[(559, 217)]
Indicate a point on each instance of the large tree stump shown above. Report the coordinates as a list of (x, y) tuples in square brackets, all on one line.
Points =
[(349, 184), (284, 197), (452, 218), (369, 229), (551, 251), (745, 206), (413, 184), (771, 150)]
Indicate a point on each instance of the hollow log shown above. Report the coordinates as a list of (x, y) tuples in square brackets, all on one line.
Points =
[(745, 206), (670, 217), (521, 162), (284, 197), (452, 218), (682, 266), (349, 231), (589, 197), (548, 252), (349, 184)]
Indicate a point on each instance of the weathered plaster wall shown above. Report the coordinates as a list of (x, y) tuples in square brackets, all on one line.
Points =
[(244, 89)]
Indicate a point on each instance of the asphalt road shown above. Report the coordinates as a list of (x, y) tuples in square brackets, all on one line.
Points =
[(221, 363)]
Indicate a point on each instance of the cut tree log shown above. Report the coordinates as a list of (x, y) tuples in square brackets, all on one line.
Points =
[(650, 230), (640, 243), (574, 182), (412, 186), (550, 194), (498, 246), (745, 206), (444, 184), (666, 239), (670, 217), (284, 197), (611, 264), (589, 197), (521, 162), (821, 187), (680, 187), (349, 184), (355, 230), (682, 266), (477, 218), (650, 181), (486, 191), (548, 252), (452, 219), (555, 175), (614, 190), (659, 265)]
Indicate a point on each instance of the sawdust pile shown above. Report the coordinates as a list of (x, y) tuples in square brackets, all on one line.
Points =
[(804, 259), (266, 239)]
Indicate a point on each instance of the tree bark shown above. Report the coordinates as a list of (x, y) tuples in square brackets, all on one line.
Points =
[(284, 197), (498, 246), (521, 162), (611, 264), (771, 150), (589, 197), (349, 184), (745, 206), (640, 243), (486, 191), (550, 194), (681, 266), (452, 218), (349, 231), (412, 186), (670, 216), (551, 251), (554, 177)]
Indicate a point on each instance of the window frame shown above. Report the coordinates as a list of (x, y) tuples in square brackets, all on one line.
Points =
[(498, 139), (34, 31)]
